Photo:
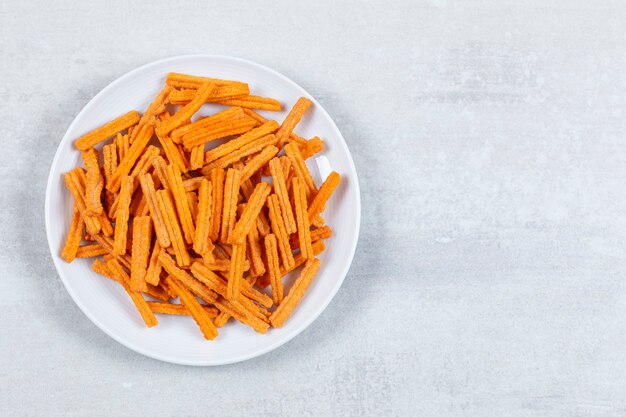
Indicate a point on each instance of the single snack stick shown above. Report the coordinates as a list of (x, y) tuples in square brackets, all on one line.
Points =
[(199, 314), (133, 154), (244, 151), (256, 116), (192, 199), (235, 144), (153, 273), (280, 188), (141, 304), (90, 251), (101, 219), (155, 108), (94, 183), (271, 253), (201, 238), (230, 113), (196, 157), (255, 251), (74, 235), (149, 192), (250, 102), (172, 153), (180, 199), (229, 207), (293, 152), (317, 221), (173, 227), (122, 215), (220, 92), (278, 228), (318, 204), (250, 213), (217, 197), (302, 219), (311, 147), (177, 80), (217, 131), (197, 287), (192, 184), (184, 114), (262, 224), (142, 237), (107, 130), (160, 170), (292, 119), (258, 162), (235, 273), (221, 319), (158, 307), (73, 184), (296, 293)]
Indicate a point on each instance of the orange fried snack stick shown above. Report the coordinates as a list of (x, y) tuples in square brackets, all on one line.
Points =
[(278, 227), (156, 107), (73, 184), (74, 235), (198, 288), (173, 227), (149, 192), (296, 293), (178, 80), (244, 151), (220, 92), (280, 188), (235, 273), (302, 219), (192, 184), (107, 130), (199, 314), (172, 153), (258, 162), (293, 152), (292, 119), (90, 251), (158, 307), (153, 273), (196, 157), (217, 197), (122, 215), (192, 200), (239, 142), (311, 147), (221, 319), (250, 213), (180, 199), (201, 238), (133, 154), (250, 102), (229, 207), (160, 170), (231, 113), (254, 247), (140, 303), (186, 112), (94, 183), (217, 131), (271, 253), (142, 238), (318, 204)]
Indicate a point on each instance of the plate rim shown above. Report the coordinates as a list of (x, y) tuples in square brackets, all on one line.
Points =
[(306, 323)]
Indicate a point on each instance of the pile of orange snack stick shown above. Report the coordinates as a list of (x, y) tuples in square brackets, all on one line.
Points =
[(168, 217)]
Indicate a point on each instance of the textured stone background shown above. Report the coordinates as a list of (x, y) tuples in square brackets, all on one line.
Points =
[(489, 139)]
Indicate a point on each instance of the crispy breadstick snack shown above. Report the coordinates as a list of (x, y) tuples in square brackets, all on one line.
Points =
[(278, 228), (232, 113), (255, 252), (221, 320), (217, 197), (311, 147), (217, 131), (229, 206), (177, 80), (142, 237), (184, 114), (243, 140), (201, 238), (107, 130), (133, 154), (258, 162), (72, 181), (235, 273), (292, 119), (90, 251), (246, 150), (153, 273), (172, 153), (302, 218), (250, 213), (72, 241), (300, 168), (280, 188), (147, 186), (94, 183), (318, 204), (122, 216), (180, 199), (158, 307), (173, 227), (251, 102), (122, 277), (296, 293), (198, 288), (196, 157), (155, 108), (271, 252), (323, 232), (220, 92), (201, 317)]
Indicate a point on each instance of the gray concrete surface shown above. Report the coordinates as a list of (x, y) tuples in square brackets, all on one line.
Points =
[(489, 139)]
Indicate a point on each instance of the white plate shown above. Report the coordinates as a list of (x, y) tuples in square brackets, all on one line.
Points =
[(177, 339)]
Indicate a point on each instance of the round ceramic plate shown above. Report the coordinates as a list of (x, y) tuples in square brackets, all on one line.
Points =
[(177, 339)]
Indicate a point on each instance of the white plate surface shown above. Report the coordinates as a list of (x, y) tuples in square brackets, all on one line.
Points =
[(177, 339)]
